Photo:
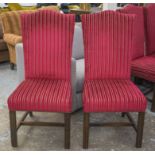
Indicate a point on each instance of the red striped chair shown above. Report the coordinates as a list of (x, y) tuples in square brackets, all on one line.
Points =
[(108, 44), (47, 39), (143, 65)]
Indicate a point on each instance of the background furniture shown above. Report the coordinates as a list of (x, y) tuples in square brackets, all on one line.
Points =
[(17, 7), (108, 40), (143, 61), (12, 32), (4, 54), (47, 57), (77, 66)]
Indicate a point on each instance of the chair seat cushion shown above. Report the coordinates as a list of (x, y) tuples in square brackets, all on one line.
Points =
[(144, 68), (112, 96), (41, 95)]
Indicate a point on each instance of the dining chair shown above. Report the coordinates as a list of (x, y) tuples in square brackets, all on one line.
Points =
[(108, 42), (47, 40), (143, 60)]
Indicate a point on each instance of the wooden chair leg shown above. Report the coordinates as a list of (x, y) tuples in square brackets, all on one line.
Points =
[(140, 126), (153, 100), (31, 114), (86, 130), (13, 127), (123, 114), (67, 118), (12, 66), (138, 81)]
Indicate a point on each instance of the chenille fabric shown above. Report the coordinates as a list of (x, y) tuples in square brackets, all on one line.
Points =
[(150, 28), (138, 36), (47, 39), (108, 41)]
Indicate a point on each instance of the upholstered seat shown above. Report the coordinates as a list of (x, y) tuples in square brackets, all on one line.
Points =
[(41, 95), (112, 96), (144, 68)]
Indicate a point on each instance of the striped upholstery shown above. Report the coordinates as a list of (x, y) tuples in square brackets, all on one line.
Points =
[(138, 37), (104, 46), (108, 45), (42, 95), (112, 96), (144, 68), (47, 40), (150, 28), (49, 55)]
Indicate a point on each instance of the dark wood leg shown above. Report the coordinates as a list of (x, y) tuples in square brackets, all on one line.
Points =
[(12, 66), (140, 126), (86, 130), (153, 100), (138, 80), (31, 114), (13, 128), (123, 114), (67, 130)]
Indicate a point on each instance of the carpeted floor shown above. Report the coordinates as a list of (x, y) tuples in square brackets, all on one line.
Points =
[(52, 138)]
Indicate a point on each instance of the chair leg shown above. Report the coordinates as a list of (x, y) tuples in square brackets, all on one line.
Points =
[(12, 66), (13, 127), (67, 130), (123, 114), (31, 114), (138, 81), (86, 130), (140, 126), (153, 100)]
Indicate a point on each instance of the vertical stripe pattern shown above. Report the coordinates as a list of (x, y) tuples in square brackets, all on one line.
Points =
[(138, 36), (108, 45), (47, 38), (108, 41), (150, 28)]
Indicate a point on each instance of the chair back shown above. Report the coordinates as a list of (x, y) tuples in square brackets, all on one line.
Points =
[(47, 40), (150, 28), (108, 38), (11, 21), (138, 37)]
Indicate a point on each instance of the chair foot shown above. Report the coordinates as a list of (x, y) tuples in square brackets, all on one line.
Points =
[(30, 114), (153, 100), (138, 81), (140, 126), (12, 66), (123, 114), (86, 130), (13, 128), (67, 119)]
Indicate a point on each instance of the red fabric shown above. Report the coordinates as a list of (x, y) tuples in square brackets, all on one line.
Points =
[(42, 95), (112, 96), (47, 39), (108, 45), (138, 37), (150, 28), (144, 68)]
